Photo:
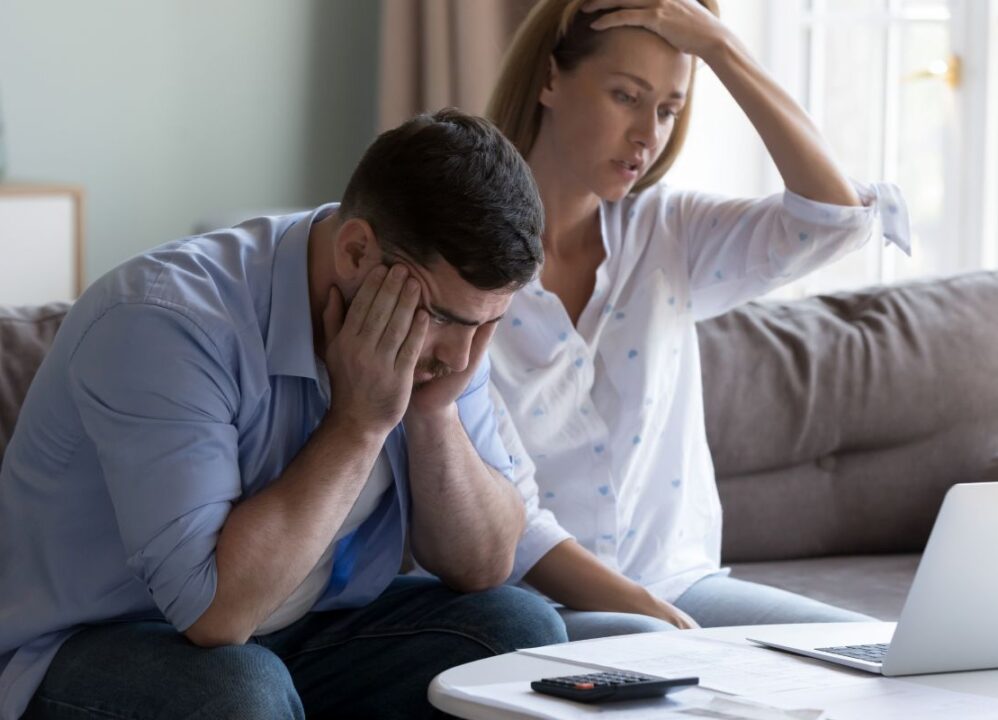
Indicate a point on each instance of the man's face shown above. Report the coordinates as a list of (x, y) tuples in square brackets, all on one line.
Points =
[(457, 310)]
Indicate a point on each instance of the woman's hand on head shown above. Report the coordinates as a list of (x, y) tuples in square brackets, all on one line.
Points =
[(685, 24)]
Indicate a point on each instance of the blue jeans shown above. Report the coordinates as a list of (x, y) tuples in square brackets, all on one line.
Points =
[(714, 601), (371, 662)]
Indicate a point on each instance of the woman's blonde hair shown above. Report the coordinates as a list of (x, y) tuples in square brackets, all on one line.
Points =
[(515, 106)]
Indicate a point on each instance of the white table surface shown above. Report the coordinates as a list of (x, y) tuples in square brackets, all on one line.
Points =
[(517, 667)]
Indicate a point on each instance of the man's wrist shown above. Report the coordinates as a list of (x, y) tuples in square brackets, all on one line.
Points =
[(358, 434), (428, 421)]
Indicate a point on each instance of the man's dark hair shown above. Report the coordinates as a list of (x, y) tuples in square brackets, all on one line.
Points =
[(450, 186)]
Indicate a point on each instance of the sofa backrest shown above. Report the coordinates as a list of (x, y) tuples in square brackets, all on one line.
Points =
[(837, 423), (25, 336)]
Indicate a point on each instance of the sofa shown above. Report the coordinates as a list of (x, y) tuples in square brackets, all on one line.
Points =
[(836, 424)]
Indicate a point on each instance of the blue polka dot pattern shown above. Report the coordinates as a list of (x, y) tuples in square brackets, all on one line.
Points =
[(631, 354), (538, 412), (676, 482), (607, 309), (563, 336), (517, 322), (603, 490), (598, 449), (579, 362), (549, 495), (620, 316), (803, 237), (636, 440), (719, 275)]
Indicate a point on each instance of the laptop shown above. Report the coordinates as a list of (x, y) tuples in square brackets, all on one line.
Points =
[(950, 618)]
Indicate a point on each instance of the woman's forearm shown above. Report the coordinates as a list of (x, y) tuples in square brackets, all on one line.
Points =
[(791, 137)]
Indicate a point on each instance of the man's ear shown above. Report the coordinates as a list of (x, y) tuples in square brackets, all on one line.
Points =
[(546, 97), (356, 251)]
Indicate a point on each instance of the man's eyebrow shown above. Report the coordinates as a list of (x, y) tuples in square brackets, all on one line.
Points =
[(454, 318), (645, 85)]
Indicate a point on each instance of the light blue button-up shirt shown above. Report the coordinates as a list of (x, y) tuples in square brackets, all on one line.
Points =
[(179, 383)]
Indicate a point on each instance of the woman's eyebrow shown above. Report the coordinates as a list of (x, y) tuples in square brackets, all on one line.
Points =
[(645, 85)]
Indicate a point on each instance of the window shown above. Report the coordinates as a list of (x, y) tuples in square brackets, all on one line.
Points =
[(903, 90)]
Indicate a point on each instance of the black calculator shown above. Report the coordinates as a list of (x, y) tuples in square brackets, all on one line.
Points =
[(609, 686)]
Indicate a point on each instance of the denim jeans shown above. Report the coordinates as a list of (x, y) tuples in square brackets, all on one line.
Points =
[(372, 662), (714, 601)]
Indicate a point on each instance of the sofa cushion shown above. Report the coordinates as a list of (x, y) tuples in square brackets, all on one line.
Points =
[(25, 336), (837, 423)]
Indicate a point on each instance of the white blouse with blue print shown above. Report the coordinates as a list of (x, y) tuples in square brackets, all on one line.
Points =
[(605, 421)]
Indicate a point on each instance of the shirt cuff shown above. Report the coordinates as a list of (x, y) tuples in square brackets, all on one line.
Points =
[(883, 200), (542, 534)]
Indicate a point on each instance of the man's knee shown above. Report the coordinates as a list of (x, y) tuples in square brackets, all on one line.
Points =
[(512, 618), (247, 682)]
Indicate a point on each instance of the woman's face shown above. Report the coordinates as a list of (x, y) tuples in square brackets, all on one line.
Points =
[(611, 116)]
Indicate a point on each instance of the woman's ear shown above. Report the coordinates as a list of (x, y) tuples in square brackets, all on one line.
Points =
[(548, 89), (356, 251)]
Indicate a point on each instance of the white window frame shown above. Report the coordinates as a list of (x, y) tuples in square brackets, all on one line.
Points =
[(973, 205)]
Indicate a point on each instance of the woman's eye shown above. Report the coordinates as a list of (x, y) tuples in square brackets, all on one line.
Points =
[(439, 321), (624, 97), (666, 113)]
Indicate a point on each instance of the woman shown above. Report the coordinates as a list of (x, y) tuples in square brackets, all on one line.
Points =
[(596, 368)]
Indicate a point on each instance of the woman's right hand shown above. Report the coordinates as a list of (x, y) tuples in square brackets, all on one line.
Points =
[(685, 24), (674, 616)]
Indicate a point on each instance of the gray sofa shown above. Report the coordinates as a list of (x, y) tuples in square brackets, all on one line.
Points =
[(837, 423)]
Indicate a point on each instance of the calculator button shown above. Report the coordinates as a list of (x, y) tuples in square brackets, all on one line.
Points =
[(584, 686)]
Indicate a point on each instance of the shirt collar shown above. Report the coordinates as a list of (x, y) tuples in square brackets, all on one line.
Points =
[(289, 345)]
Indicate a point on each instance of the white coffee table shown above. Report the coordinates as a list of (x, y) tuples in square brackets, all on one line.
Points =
[(517, 667)]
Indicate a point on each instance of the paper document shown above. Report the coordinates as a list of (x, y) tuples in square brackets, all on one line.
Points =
[(893, 699), (729, 667), (689, 704)]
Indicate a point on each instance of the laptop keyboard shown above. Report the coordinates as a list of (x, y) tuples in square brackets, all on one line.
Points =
[(871, 653)]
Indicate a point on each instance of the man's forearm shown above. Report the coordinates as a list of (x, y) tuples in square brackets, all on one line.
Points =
[(271, 541), (467, 518)]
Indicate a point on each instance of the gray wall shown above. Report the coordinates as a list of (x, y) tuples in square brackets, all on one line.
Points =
[(169, 112)]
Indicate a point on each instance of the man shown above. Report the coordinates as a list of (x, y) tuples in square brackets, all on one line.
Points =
[(205, 502)]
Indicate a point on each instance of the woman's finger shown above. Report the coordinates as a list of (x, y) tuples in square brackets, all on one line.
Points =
[(626, 18), (597, 5)]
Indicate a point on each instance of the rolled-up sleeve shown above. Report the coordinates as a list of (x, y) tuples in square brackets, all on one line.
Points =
[(542, 530), (158, 403), (739, 249)]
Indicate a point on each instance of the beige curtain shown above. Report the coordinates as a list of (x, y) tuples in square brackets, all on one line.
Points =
[(436, 53)]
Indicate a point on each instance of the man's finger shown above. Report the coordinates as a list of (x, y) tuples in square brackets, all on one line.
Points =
[(400, 321), (332, 315), (408, 354), (383, 306), (363, 299)]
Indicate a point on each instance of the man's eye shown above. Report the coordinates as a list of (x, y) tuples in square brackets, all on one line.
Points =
[(439, 321)]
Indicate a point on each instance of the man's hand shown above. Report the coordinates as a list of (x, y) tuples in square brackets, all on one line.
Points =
[(437, 397), (372, 349)]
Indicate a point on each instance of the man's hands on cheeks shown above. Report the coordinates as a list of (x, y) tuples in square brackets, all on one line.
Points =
[(437, 397), (372, 349)]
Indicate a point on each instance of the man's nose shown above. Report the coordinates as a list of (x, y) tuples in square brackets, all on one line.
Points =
[(454, 347)]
